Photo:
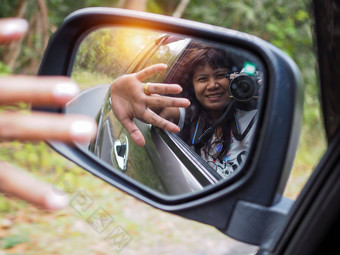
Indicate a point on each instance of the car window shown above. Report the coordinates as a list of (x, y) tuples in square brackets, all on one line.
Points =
[(168, 51)]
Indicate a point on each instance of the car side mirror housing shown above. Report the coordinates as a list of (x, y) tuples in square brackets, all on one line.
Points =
[(229, 204)]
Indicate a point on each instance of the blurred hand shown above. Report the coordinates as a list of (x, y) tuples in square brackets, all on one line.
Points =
[(34, 126), (129, 100)]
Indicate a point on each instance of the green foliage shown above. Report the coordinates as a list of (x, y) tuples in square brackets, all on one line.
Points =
[(110, 51), (4, 69), (86, 79), (62, 8), (99, 53), (164, 7), (10, 241), (33, 46), (7, 7), (286, 25)]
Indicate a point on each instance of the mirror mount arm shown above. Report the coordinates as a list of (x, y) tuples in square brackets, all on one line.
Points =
[(259, 225)]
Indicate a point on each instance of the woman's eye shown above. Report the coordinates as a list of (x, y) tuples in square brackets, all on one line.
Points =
[(201, 79), (220, 76)]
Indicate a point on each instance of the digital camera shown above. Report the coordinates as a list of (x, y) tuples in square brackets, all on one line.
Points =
[(244, 87)]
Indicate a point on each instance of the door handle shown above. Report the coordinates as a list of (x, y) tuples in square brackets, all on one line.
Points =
[(121, 152)]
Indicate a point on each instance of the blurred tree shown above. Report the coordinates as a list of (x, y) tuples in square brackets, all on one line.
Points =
[(162, 6), (139, 5), (180, 8), (12, 51), (24, 56)]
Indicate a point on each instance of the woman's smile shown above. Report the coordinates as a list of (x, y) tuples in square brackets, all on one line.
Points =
[(215, 96)]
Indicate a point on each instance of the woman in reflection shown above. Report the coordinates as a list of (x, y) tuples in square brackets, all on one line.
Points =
[(208, 120)]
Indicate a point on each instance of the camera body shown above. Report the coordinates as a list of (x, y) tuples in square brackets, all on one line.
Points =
[(244, 87)]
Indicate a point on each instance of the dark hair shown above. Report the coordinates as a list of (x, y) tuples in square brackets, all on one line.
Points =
[(196, 56)]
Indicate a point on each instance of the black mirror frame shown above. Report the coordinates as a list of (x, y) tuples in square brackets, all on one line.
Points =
[(264, 175)]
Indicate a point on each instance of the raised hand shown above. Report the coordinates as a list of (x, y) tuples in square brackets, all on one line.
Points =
[(131, 98), (38, 91)]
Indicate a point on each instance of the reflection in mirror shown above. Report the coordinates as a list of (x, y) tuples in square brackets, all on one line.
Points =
[(175, 128)]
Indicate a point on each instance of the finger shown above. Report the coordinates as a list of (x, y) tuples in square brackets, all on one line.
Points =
[(12, 29), (17, 183), (45, 126), (162, 101), (134, 132), (163, 89), (155, 120), (147, 72), (39, 91)]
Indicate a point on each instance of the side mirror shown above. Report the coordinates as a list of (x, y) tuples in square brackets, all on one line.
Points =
[(95, 46)]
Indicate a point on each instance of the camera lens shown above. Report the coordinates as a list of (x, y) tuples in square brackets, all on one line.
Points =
[(243, 88)]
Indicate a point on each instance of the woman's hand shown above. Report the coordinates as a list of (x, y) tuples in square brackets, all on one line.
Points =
[(33, 126), (131, 98)]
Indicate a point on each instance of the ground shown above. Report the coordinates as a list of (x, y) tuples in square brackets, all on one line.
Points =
[(95, 212)]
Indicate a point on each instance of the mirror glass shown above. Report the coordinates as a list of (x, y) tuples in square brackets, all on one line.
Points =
[(222, 82)]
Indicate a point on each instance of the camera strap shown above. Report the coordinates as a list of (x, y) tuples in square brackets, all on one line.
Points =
[(236, 129), (200, 139)]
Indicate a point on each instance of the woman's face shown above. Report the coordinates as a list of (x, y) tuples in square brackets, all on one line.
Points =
[(211, 89)]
